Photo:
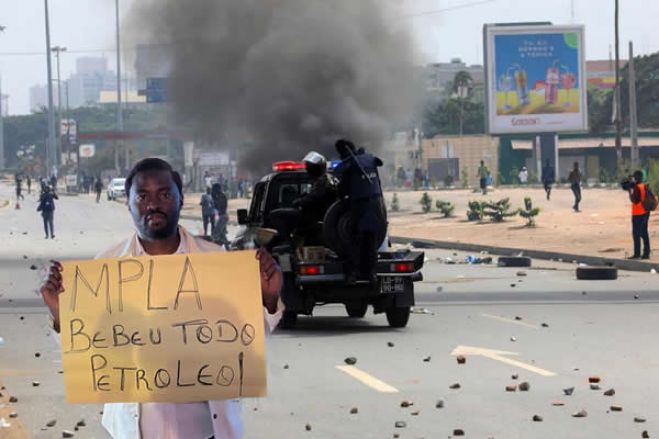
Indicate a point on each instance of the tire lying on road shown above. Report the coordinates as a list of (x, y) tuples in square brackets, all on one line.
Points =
[(597, 273), (514, 261)]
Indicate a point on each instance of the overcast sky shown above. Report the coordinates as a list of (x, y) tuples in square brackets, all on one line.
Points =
[(86, 27)]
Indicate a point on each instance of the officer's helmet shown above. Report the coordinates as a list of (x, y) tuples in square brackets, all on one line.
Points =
[(315, 164)]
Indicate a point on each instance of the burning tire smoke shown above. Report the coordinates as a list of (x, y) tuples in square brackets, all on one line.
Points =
[(276, 78)]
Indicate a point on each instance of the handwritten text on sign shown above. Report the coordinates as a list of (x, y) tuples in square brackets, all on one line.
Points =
[(177, 328)]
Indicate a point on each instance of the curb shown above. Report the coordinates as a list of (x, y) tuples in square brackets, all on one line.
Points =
[(622, 264)]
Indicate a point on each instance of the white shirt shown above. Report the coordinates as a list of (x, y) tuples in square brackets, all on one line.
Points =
[(156, 420)]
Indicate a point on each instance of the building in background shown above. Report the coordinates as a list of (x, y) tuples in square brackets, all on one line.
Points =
[(457, 157), (439, 78), (602, 73), (90, 79), (151, 61)]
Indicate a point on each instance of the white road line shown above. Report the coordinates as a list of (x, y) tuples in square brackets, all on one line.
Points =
[(367, 379), (501, 356), (506, 320)]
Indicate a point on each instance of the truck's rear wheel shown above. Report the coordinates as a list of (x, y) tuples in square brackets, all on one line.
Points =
[(356, 310), (398, 316), (288, 320)]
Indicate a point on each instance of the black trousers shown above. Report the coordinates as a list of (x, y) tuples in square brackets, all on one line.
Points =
[(483, 183), (576, 190), (640, 232), (208, 221), (548, 189), (48, 217), (366, 218)]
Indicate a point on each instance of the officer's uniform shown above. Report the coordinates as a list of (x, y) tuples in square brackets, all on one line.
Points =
[(367, 210)]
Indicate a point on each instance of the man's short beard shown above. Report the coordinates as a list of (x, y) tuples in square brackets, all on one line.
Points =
[(156, 235)]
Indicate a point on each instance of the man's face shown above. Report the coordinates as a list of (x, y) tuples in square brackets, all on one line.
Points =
[(155, 204)]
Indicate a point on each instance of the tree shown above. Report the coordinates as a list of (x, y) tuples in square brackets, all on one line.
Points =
[(444, 118)]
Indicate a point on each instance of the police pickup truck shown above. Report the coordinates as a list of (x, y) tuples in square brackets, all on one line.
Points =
[(316, 274)]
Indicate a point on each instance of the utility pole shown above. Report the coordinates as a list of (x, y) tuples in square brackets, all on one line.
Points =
[(2, 130), (633, 117), (58, 50), (120, 117), (618, 118), (51, 155)]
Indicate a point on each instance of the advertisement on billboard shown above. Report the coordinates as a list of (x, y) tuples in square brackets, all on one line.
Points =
[(535, 79)]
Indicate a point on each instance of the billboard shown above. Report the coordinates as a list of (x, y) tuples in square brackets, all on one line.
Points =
[(536, 79)]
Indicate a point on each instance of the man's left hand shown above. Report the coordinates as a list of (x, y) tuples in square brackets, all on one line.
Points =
[(271, 279)]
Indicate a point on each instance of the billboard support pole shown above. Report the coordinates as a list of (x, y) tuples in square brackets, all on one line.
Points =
[(557, 177), (538, 154)]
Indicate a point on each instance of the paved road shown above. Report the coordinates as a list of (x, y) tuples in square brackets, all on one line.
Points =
[(468, 309)]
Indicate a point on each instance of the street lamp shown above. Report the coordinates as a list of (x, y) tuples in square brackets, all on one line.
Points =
[(120, 118), (58, 50), (51, 156)]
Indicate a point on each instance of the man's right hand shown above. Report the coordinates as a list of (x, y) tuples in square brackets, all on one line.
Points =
[(51, 290)]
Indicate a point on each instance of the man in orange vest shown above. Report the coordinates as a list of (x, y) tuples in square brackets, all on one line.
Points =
[(640, 217)]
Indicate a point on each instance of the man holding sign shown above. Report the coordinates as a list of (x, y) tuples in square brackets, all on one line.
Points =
[(166, 336)]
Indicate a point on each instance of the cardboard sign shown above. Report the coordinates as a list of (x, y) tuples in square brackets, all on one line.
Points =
[(175, 328)]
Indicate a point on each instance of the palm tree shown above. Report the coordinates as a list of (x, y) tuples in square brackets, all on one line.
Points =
[(461, 85)]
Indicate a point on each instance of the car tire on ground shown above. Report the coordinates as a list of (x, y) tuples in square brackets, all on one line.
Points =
[(288, 320), (514, 261), (397, 317), (356, 310), (597, 273)]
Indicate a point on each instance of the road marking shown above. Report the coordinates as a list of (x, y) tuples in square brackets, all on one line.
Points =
[(500, 356), (506, 320), (367, 379)]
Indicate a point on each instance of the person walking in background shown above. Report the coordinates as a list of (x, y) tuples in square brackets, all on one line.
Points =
[(548, 177), (53, 183), (575, 183), (208, 180), (47, 209), (483, 173), (19, 188), (523, 176), (98, 187), (220, 217), (28, 180), (640, 217), (207, 211)]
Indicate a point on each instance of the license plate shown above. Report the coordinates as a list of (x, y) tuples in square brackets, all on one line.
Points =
[(393, 284)]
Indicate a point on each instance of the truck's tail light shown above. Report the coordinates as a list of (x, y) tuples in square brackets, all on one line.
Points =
[(402, 267), (311, 270)]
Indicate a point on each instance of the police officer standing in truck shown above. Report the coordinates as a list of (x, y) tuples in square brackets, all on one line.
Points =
[(359, 182)]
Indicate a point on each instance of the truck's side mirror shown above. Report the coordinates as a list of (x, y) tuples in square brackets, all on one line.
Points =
[(242, 216)]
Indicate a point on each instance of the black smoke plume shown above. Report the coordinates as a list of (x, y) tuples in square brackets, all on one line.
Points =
[(274, 79)]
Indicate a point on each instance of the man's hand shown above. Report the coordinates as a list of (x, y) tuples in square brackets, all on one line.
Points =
[(271, 279), (51, 290)]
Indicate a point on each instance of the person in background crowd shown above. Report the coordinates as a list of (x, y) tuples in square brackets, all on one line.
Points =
[(98, 187), (28, 180), (548, 177), (207, 211), (575, 183), (47, 208), (523, 176), (208, 180), (19, 188), (482, 174), (53, 183), (221, 219), (640, 217)]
